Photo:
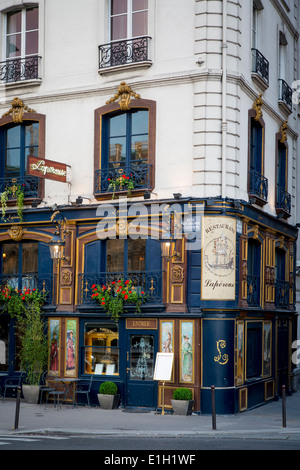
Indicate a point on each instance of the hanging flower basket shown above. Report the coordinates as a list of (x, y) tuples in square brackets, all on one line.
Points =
[(120, 183), (17, 191), (15, 301), (114, 296)]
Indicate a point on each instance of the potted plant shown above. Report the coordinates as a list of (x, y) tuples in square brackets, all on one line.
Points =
[(182, 401), (113, 297), (25, 307), (121, 182), (108, 395)]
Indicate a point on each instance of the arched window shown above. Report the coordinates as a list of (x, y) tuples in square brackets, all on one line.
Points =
[(124, 148), (22, 134)]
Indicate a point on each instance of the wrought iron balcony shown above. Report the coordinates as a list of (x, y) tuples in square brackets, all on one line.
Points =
[(148, 282), (16, 70), (281, 294), (260, 65), (253, 290), (29, 185), (285, 93), (127, 51), (45, 283), (283, 200), (258, 185), (111, 179)]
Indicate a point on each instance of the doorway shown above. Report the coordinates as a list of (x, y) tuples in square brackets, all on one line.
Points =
[(141, 389)]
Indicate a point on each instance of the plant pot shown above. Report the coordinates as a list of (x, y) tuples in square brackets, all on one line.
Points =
[(108, 402), (182, 407), (31, 393)]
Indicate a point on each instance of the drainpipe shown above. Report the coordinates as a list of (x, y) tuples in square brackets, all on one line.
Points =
[(224, 98)]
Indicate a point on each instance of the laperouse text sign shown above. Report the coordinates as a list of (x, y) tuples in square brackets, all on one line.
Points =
[(47, 169)]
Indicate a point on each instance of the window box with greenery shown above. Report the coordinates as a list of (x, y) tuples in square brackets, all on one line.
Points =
[(113, 297)]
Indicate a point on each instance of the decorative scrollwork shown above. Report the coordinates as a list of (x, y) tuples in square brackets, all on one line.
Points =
[(221, 359)]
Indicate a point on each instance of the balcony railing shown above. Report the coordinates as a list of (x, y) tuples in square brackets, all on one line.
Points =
[(45, 283), (127, 51), (253, 290), (285, 93), (148, 282), (281, 294), (16, 70), (139, 174), (258, 185), (260, 65), (30, 186), (283, 200)]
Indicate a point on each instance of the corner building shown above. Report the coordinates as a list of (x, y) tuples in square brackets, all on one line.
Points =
[(178, 124)]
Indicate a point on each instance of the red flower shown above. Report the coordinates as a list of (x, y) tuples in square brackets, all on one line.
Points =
[(127, 177), (102, 303), (142, 292), (108, 179), (93, 286), (124, 292), (113, 282), (126, 297), (127, 282)]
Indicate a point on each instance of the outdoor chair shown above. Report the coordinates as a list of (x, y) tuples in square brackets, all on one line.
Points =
[(57, 394), (12, 384), (82, 390), (44, 386)]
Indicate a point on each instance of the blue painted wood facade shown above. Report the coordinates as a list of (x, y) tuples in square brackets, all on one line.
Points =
[(218, 358)]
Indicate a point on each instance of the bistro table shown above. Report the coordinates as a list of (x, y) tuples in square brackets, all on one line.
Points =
[(68, 381)]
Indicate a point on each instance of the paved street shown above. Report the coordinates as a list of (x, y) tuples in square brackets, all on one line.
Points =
[(43, 427), (181, 445)]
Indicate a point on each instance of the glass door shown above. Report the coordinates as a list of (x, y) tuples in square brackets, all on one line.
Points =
[(141, 389)]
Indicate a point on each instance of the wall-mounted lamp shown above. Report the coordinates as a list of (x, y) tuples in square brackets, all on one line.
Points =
[(57, 243), (147, 195), (177, 195), (168, 252), (79, 200)]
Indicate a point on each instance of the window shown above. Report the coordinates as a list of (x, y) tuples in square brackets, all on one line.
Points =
[(22, 45), (281, 285), (109, 260), (128, 25), (260, 65), (27, 265), (19, 141), (257, 183), (101, 348), (283, 198), (20, 138), (254, 351), (253, 276), (4, 340), (127, 143), (128, 19), (124, 159)]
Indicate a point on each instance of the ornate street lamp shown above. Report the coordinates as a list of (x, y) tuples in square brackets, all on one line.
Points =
[(57, 243)]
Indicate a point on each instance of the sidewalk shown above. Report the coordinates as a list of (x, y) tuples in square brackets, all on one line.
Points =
[(264, 422)]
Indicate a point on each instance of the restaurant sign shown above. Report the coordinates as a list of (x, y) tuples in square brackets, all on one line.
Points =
[(218, 258), (47, 169)]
